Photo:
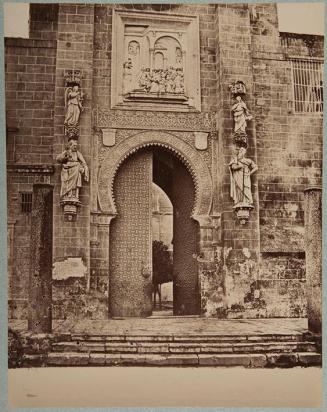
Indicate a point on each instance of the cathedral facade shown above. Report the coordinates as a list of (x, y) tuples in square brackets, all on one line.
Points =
[(210, 103)]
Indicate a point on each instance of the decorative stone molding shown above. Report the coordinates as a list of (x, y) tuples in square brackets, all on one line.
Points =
[(33, 169), (175, 121), (187, 154)]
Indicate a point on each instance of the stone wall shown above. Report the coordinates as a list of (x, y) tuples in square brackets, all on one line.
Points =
[(30, 76), (289, 147)]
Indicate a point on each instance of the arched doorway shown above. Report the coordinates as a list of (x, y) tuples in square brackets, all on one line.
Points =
[(130, 274)]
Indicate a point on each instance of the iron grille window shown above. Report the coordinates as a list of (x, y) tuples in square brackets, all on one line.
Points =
[(26, 202), (307, 86)]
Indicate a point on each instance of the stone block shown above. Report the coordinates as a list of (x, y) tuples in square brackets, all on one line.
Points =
[(258, 361), (310, 359), (33, 361), (97, 359), (282, 359), (224, 348), (159, 360), (110, 348), (224, 360), (153, 349), (68, 359), (112, 359), (132, 359)]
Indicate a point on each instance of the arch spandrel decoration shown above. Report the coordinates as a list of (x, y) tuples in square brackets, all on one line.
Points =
[(185, 152)]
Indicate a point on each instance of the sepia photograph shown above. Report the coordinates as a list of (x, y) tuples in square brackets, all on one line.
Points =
[(164, 193)]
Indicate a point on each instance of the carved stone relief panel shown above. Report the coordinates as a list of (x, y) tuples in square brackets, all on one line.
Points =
[(155, 61)]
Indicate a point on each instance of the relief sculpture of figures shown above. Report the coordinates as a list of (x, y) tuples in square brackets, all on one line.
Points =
[(73, 168), (241, 168)]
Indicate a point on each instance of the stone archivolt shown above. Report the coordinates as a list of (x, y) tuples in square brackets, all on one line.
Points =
[(187, 154)]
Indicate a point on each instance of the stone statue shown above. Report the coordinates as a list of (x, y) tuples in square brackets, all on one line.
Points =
[(127, 76), (73, 101), (241, 168), (241, 115), (73, 168)]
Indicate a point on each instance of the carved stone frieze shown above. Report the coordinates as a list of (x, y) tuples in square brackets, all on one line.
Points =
[(128, 119)]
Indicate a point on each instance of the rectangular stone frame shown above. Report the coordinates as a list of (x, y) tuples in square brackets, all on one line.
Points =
[(192, 59)]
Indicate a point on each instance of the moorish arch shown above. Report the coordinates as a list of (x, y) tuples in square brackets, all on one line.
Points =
[(181, 149)]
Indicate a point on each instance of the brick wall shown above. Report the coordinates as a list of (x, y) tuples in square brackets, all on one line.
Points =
[(29, 86), (30, 77), (43, 22), (289, 158)]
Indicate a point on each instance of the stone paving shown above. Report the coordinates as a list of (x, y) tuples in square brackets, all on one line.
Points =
[(177, 325)]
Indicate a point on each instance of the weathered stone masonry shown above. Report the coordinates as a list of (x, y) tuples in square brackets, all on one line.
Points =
[(251, 270)]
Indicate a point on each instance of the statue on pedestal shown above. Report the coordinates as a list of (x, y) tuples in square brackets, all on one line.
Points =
[(241, 168), (73, 103), (74, 168), (74, 98), (241, 115)]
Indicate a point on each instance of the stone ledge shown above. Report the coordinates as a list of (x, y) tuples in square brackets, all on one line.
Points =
[(132, 359), (30, 43), (34, 169), (68, 359), (285, 360), (225, 360), (310, 359)]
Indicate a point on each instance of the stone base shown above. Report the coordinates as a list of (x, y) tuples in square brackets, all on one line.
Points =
[(70, 207), (242, 211)]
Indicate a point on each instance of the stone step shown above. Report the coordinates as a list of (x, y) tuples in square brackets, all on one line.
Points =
[(185, 338), (251, 360), (183, 347)]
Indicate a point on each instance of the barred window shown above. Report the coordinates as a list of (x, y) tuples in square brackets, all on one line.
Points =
[(307, 85), (26, 202)]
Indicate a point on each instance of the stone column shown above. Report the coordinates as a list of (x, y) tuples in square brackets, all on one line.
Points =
[(10, 245), (40, 292), (313, 256)]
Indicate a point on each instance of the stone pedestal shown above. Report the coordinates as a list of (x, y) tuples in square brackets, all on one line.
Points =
[(313, 253), (40, 278)]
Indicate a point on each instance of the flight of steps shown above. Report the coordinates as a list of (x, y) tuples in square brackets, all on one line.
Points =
[(279, 350)]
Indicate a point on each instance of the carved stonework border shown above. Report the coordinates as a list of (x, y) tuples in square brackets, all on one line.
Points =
[(188, 155), (176, 121)]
